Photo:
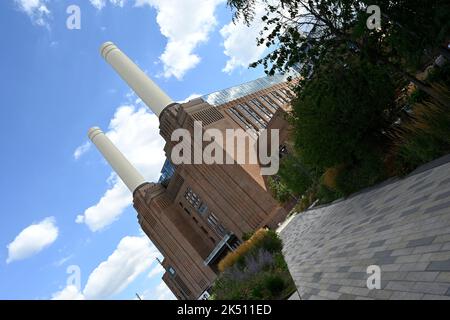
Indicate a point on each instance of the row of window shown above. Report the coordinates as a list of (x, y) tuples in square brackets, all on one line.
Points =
[(202, 208), (255, 121)]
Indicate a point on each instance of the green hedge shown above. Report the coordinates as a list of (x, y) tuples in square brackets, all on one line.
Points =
[(260, 274)]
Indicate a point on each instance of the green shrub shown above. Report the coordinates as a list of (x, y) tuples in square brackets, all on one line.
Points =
[(271, 242), (440, 74), (326, 195), (295, 175), (341, 112), (246, 236), (361, 174), (424, 136), (257, 271), (279, 261), (257, 291), (274, 283), (279, 190)]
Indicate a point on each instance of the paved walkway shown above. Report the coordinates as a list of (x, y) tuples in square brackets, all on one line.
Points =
[(403, 227)]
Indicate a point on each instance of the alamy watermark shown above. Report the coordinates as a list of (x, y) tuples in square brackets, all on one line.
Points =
[(74, 278), (73, 21), (374, 20), (237, 146), (374, 280)]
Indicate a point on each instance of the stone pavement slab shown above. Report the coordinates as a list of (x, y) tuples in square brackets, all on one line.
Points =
[(402, 226)]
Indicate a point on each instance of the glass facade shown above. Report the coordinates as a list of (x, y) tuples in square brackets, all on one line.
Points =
[(214, 223), (202, 208), (171, 271), (167, 171), (243, 120), (193, 198), (272, 104), (236, 92), (259, 106)]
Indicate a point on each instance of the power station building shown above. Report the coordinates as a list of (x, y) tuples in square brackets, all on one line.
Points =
[(197, 213)]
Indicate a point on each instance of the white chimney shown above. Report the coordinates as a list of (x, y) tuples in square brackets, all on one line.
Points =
[(145, 88), (124, 169)]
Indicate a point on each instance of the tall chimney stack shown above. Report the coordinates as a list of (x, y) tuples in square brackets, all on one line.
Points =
[(124, 169), (145, 88)]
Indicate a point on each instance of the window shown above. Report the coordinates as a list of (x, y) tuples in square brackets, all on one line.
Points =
[(287, 93), (262, 108), (214, 222), (187, 211), (171, 271), (270, 102), (192, 198), (278, 97), (254, 115), (212, 219), (247, 124), (202, 209), (204, 230)]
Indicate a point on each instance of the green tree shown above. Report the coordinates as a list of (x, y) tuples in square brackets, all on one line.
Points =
[(340, 114), (301, 32)]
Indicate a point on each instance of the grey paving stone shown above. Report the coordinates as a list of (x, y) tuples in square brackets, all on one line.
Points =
[(344, 269), (380, 294), (382, 254), (439, 266), (400, 285), (443, 277), (385, 260), (401, 295), (402, 252), (435, 297), (431, 287), (334, 287), (328, 249), (442, 196), (408, 259), (376, 243), (408, 212), (441, 206), (421, 242), (421, 276), (384, 228), (430, 248)]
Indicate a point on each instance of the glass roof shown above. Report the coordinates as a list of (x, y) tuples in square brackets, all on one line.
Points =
[(226, 95)]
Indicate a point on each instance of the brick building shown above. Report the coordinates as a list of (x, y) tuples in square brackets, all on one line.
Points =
[(197, 213)]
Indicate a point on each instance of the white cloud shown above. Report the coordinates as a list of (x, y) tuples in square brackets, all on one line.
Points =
[(70, 292), (185, 24), (82, 150), (240, 42), (132, 257), (191, 97), (156, 270), (99, 4), (32, 240), (63, 260), (160, 292), (110, 206), (136, 134), (37, 10), (163, 292)]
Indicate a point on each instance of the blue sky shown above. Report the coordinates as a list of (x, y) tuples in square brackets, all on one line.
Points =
[(61, 204)]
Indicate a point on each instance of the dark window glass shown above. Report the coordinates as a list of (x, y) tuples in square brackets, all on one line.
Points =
[(268, 115), (270, 103)]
